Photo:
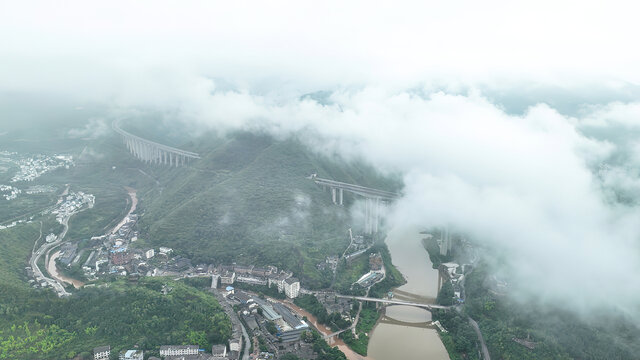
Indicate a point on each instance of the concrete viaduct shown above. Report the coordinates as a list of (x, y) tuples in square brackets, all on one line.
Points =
[(153, 152), (374, 199)]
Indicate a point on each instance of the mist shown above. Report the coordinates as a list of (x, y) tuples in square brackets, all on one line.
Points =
[(520, 131)]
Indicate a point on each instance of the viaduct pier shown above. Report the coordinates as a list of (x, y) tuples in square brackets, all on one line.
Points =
[(153, 152), (375, 199)]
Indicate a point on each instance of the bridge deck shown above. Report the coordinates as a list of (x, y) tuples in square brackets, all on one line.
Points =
[(186, 153), (357, 188), (394, 302)]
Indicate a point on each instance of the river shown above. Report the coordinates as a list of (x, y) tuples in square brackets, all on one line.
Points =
[(405, 332)]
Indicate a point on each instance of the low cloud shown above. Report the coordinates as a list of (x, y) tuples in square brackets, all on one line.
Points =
[(530, 186), (94, 129), (461, 100)]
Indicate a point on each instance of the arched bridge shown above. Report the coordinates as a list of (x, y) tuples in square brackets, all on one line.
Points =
[(153, 152), (395, 302)]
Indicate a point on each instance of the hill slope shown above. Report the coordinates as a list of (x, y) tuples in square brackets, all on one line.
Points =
[(249, 200)]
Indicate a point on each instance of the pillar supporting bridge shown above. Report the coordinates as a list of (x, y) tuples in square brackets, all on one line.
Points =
[(153, 152), (374, 199)]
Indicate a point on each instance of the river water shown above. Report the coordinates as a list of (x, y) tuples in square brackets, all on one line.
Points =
[(404, 332)]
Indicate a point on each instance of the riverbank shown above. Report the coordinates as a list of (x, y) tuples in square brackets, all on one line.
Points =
[(350, 354), (53, 271), (402, 331)]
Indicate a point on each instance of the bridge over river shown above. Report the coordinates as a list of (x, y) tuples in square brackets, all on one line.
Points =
[(395, 302)]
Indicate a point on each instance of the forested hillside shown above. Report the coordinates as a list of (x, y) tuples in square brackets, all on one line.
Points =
[(249, 200)]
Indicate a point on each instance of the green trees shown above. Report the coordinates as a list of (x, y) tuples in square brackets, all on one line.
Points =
[(445, 295), (122, 315), (311, 304)]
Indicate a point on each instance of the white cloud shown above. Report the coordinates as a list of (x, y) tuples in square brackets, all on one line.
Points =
[(93, 129), (520, 182)]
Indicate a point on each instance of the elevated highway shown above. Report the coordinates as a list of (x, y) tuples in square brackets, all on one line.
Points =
[(375, 199), (153, 152)]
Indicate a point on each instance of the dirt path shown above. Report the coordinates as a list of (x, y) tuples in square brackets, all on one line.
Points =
[(53, 271), (134, 204)]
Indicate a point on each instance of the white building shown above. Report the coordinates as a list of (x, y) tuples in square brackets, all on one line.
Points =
[(165, 250), (102, 352), (150, 253), (177, 350), (235, 344), (292, 287), (219, 351), (228, 277), (131, 355)]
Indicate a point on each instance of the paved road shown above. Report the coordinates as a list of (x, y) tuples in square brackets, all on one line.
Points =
[(485, 351), (395, 302)]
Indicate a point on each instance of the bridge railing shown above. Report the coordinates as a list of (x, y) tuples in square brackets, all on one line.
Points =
[(190, 154)]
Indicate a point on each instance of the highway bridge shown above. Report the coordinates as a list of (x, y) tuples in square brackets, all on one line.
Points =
[(153, 152), (375, 199), (395, 302)]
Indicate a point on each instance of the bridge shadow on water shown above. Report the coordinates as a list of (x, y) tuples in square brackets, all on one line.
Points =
[(407, 296), (422, 325)]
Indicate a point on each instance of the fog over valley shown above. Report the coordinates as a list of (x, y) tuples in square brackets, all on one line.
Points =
[(516, 127)]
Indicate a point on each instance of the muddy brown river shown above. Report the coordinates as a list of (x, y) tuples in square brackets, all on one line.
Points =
[(404, 332)]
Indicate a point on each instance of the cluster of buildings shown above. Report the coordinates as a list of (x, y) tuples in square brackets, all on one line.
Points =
[(334, 304), (376, 271), (14, 223), (253, 275), (359, 245), (71, 203), (112, 253), (40, 189), (9, 192), (275, 324), (167, 352), (33, 167), (330, 263)]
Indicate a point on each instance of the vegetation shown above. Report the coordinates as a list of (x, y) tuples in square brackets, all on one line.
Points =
[(393, 277), (249, 200), (368, 318), (555, 333), (324, 351), (128, 315), (461, 340), (431, 245), (348, 273), (314, 307)]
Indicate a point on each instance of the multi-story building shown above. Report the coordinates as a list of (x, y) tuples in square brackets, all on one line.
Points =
[(150, 253), (228, 277), (102, 352), (278, 279), (235, 344), (253, 280), (219, 351), (292, 287), (177, 350), (131, 355)]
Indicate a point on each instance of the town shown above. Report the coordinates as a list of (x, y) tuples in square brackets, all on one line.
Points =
[(33, 167)]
